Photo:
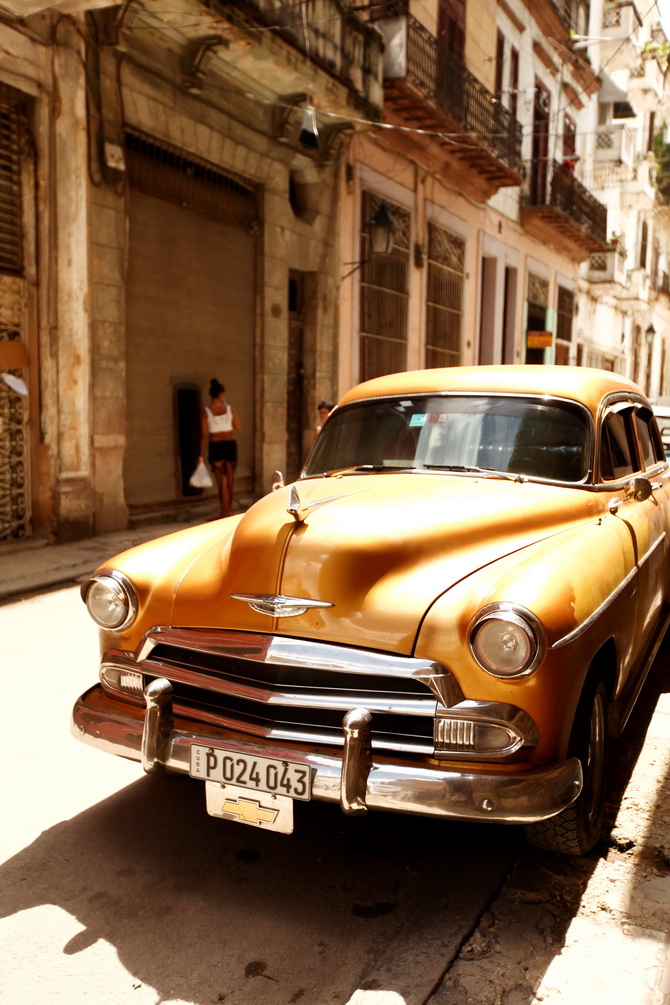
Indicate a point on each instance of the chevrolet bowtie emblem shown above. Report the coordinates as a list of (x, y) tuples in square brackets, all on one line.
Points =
[(277, 605), (250, 811)]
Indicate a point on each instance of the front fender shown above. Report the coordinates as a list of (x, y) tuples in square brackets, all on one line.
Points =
[(569, 582)]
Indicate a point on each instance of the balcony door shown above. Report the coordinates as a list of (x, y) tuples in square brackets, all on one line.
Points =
[(451, 27), (540, 164)]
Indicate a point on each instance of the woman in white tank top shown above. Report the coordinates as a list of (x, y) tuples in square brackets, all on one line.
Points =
[(218, 427)]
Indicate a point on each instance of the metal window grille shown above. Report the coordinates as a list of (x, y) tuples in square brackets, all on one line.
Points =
[(444, 307), (538, 290), (167, 172), (11, 250), (612, 17), (384, 295)]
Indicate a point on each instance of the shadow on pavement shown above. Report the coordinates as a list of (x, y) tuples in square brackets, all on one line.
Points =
[(527, 928), (208, 911)]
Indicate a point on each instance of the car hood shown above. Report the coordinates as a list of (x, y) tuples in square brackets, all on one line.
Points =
[(379, 549)]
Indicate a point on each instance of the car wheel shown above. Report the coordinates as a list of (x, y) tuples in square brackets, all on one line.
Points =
[(577, 828)]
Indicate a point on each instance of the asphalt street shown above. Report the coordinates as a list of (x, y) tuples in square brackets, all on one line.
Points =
[(117, 887)]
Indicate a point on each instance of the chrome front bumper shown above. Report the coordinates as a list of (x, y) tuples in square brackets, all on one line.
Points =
[(355, 780)]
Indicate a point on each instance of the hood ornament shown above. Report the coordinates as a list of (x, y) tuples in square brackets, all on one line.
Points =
[(277, 605), (299, 509), (295, 507)]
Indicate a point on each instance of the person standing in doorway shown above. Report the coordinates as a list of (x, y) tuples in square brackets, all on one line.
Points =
[(218, 427)]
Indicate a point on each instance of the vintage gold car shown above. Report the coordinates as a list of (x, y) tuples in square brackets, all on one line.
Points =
[(447, 614)]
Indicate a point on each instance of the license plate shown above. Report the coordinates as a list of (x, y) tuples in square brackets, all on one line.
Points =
[(264, 774)]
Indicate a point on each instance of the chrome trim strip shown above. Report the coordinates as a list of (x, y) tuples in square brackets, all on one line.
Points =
[(262, 694), (278, 733), (585, 625), (514, 797)]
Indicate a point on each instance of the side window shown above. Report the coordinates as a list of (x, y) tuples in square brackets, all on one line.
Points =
[(617, 449), (650, 440)]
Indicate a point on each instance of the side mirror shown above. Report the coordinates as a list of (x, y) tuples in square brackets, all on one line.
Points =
[(639, 489)]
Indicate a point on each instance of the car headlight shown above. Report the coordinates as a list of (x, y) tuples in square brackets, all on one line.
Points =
[(110, 599), (507, 640)]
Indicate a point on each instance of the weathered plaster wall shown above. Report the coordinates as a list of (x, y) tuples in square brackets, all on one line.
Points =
[(234, 139)]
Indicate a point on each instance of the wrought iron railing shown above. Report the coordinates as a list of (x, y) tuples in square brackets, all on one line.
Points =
[(327, 32), (575, 14), (554, 185), (444, 81)]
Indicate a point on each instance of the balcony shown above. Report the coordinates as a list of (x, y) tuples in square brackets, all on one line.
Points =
[(662, 283), (558, 210), (639, 192), (607, 267), (621, 27), (325, 32), (427, 87), (637, 285), (615, 145), (645, 84)]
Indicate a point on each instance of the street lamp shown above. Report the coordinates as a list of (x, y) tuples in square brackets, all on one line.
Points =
[(381, 230), (649, 333)]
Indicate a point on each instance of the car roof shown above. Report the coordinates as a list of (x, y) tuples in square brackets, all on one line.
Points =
[(578, 383)]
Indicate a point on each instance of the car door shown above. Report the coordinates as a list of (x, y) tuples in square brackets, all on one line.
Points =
[(628, 451), (656, 470)]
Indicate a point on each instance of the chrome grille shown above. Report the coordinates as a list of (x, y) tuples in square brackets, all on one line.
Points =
[(291, 689)]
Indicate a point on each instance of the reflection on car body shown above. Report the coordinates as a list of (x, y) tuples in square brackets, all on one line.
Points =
[(449, 612)]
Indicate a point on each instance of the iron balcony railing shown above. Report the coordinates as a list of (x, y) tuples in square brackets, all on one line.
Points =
[(329, 34), (553, 185), (437, 74)]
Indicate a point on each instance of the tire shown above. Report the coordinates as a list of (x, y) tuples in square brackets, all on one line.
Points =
[(577, 828)]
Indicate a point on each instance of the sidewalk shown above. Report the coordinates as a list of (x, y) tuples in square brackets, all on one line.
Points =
[(30, 566)]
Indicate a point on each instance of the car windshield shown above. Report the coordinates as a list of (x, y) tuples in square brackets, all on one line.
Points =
[(483, 433)]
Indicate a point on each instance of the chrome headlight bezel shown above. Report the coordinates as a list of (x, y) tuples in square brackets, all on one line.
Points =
[(519, 617), (119, 584)]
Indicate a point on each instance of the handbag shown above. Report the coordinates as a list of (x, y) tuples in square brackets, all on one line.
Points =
[(201, 478)]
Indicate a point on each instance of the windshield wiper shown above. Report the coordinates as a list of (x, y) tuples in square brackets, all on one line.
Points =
[(474, 469), (355, 468)]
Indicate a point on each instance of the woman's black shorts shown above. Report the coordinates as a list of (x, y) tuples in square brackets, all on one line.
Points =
[(222, 450)]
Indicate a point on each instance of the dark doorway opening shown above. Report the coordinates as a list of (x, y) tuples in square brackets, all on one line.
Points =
[(295, 383), (188, 435), (509, 316), (537, 321)]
